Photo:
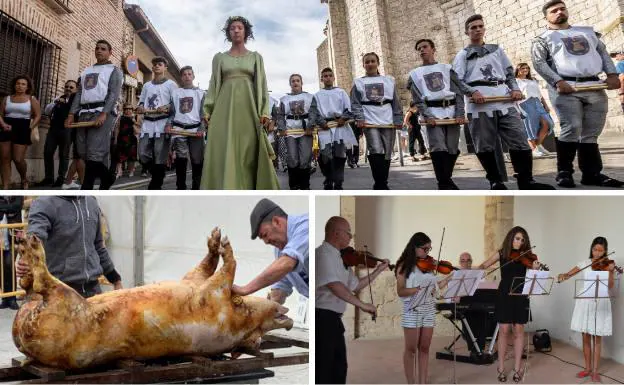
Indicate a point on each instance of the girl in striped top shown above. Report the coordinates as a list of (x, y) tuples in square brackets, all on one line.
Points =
[(417, 322)]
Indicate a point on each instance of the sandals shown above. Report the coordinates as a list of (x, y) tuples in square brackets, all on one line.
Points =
[(583, 374), (517, 377), (502, 377), (596, 378)]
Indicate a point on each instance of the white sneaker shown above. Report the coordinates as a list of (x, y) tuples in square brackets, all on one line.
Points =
[(543, 150), (72, 186), (537, 153)]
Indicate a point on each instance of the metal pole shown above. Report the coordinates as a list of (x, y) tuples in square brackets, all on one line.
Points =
[(139, 240)]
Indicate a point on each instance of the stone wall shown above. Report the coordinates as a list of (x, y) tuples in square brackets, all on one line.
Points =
[(76, 34), (391, 28)]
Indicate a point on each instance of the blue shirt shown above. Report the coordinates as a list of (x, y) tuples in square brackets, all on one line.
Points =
[(620, 67), (297, 247)]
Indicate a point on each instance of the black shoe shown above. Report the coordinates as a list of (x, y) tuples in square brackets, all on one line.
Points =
[(600, 180), (328, 185), (5, 303), (58, 182), (565, 179), (452, 185), (46, 182), (497, 186), (337, 186), (351, 165), (531, 184)]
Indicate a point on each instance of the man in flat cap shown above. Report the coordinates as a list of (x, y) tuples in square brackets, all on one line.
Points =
[(289, 235)]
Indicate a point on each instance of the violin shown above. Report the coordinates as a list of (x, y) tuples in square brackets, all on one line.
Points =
[(603, 265), (353, 257), (429, 265), (527, 259)]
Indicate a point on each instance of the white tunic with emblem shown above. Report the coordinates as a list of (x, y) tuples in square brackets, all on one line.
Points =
[(491, 67), (376, 89), (152, 97), (182, 97), (434, 83), (296, 105), (574, 52), (94, 82), (331, 104)]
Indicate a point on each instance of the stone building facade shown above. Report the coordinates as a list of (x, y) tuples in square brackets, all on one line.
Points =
[(53, 41), (391, 27)]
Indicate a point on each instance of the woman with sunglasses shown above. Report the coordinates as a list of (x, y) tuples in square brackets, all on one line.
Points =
[(512, 311), (58, 136), (418, 321)]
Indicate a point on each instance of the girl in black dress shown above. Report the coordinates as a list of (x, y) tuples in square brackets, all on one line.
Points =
[(512, 311)]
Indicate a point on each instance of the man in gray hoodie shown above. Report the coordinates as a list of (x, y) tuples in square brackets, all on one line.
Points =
[(69, 228)]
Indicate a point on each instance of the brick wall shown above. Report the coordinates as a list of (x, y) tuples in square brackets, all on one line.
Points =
[(391, 28)]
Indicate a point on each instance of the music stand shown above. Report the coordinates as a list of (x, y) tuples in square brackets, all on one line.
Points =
[(463, 286), (596, 285), (425, 291), (537, 281)]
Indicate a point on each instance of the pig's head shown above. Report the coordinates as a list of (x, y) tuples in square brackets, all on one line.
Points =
[(32, 253), (267, 314)]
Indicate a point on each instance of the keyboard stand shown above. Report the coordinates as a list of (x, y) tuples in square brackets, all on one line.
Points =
[(476, 357)]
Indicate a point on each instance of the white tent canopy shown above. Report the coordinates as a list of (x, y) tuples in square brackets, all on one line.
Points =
[(160, 238)]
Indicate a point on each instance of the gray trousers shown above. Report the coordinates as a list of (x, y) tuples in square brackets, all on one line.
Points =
[(299, 153), (187, 147), (582, 115), (93, 143), (154, 149), (443, 138), (484, 131), (380, 141)]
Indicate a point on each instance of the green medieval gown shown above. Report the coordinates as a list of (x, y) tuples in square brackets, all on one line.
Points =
[(238, 154)]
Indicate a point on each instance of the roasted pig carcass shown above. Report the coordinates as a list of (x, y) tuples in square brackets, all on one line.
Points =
[(198, 315)]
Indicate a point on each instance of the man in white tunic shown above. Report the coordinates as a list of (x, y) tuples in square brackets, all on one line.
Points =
[(294, 122), (98, 92), (186, 116), (435, 91), (155, 103), (485, 71), (332, 104), (567, 57)]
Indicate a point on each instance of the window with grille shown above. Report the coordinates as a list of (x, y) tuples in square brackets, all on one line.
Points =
[(24, 51)]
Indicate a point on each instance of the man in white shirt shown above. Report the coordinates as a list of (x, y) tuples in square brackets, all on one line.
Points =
[(335, 286)]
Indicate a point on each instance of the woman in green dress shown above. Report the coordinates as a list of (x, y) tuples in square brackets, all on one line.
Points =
[(238, 154)]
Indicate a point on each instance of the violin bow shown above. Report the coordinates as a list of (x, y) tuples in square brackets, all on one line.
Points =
[(369, 281), (510, 261), (590, 265), (440, 250)]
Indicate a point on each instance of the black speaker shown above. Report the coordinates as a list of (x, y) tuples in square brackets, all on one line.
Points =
[(541, 341)]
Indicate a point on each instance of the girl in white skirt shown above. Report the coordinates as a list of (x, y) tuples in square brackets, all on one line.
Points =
[(417, 322), (592, 317)]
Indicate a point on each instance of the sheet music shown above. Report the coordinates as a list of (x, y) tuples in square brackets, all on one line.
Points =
[(427, 285), (541, 282), (468, 286), (589, 284)]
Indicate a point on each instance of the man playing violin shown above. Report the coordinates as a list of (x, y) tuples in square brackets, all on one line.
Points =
[(336, 285)]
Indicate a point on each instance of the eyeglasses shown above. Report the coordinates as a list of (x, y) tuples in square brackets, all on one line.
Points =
[(425, 249), (347, 232)]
